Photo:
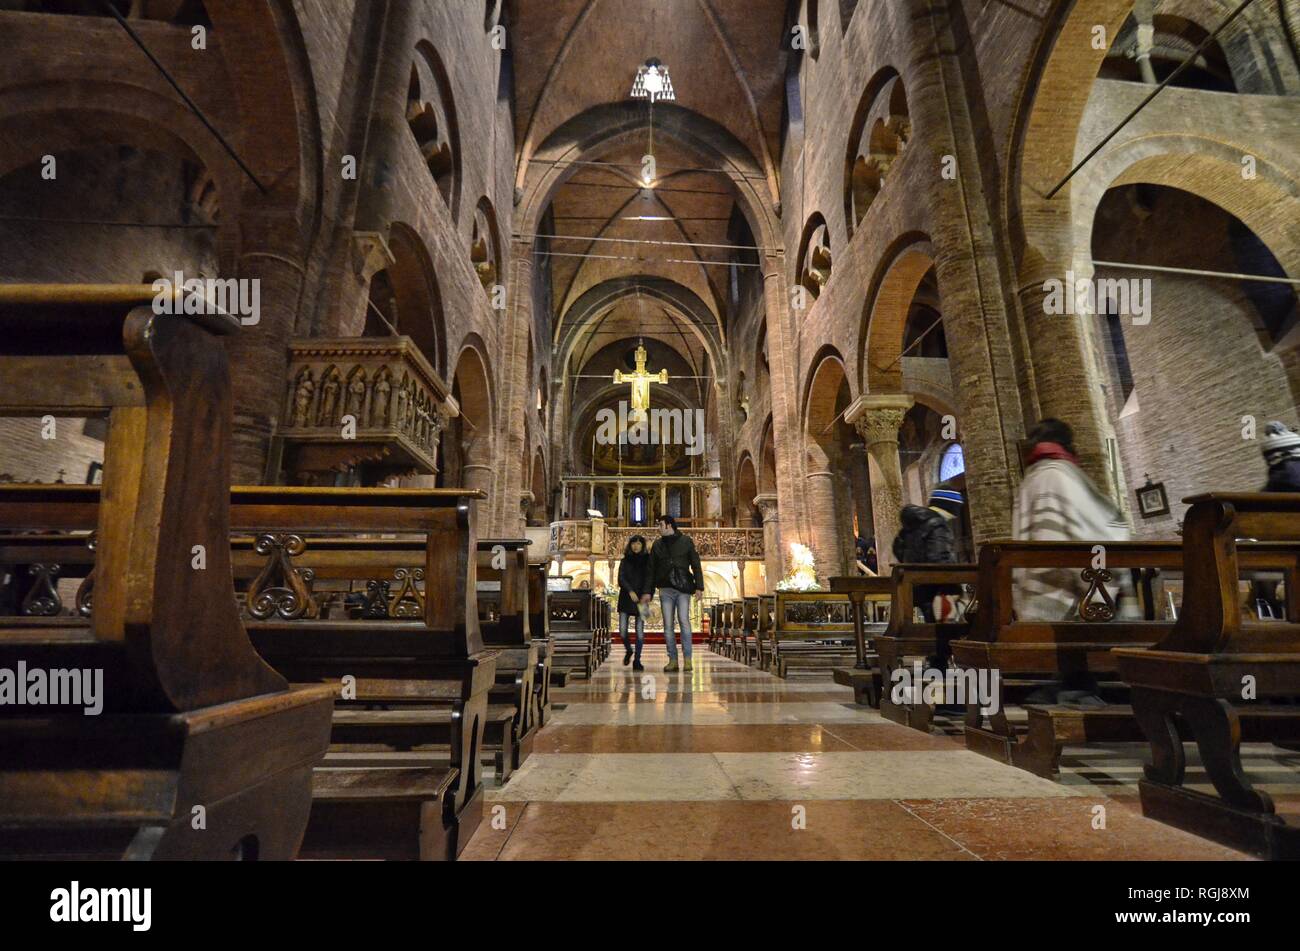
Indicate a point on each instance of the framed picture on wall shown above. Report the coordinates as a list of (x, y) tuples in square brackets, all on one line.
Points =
[(1152, 500)]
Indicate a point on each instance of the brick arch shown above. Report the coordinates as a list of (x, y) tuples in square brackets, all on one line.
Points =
[(419, 302), (1269, 204), (472, 383), (767, 455), (885, 313), (746, 490), (826, 376), (875, 128)]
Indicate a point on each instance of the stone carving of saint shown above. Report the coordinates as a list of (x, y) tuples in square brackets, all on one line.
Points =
[(356, 399), (379, 402), (399, 417), (329, 401), (302, 400)]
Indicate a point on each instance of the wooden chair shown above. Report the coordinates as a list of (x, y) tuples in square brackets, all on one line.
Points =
[(402, 779), (202, 751), (1221, 678), (906, 639)]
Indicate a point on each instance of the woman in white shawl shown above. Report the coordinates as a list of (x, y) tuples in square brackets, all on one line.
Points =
[(1058, 502)]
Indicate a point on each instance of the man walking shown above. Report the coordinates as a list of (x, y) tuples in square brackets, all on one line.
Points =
[(675, 566)]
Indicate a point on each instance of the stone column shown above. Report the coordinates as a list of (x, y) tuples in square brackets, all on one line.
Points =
[(479, 476), (772, 554), (259, 359), (1146, 38), (819, 495), (878, 420)]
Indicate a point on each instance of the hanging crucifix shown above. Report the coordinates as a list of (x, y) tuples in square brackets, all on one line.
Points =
[(640, 381)]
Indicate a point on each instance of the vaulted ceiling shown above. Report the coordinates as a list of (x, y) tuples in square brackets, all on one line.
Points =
[(574, 65)]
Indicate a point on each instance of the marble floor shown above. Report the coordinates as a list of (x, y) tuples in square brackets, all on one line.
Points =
[(727, 762)]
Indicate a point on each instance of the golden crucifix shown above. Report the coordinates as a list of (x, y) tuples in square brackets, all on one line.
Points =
[(640, 381)]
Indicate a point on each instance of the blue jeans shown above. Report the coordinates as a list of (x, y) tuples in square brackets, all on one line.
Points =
[(640, 632), (676, 604)]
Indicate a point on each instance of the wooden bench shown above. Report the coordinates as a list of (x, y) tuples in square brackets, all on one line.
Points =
[(906, 639), (201, 751), (1194, 679), (505, 620), (409, 668), (812, 632), (748, 632), (766, 622), (573, 634), (1030, 653), (866, 595), (735, 629), (539, 625)]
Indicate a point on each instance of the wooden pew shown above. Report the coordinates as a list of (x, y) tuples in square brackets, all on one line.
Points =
[(1193, 679), (812, 631), (505, 621), (194, 725), (402, 779), (539, 625), (711, 610), (766, 622), (1029, 653), (736, 630), (748, 633), (906, 639), (865, 594), (573, 632)]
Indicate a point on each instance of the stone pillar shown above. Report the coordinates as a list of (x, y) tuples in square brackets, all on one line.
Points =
[(819, 496), (1146, 38), (773, 557), (878, 420), (479, 476), (782, 339), (259, 360)]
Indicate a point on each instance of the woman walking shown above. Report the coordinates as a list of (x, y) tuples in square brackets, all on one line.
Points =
[(635, 588)]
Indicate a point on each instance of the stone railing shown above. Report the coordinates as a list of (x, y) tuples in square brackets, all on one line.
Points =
[(578, 539), (368, 400)]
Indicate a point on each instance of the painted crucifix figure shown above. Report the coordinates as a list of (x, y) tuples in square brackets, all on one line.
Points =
[(640, 381)]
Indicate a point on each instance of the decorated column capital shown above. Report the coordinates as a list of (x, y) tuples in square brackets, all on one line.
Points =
[(370, 254), (767, 506), (878, 419)]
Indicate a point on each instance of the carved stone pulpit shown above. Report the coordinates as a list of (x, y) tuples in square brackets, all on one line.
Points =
[(372, 402)]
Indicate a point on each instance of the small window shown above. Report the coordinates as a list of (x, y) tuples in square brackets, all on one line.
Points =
[(638, 509), (952, 463)]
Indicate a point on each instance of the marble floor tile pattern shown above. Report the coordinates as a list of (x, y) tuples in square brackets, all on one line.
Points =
[(728, 762)]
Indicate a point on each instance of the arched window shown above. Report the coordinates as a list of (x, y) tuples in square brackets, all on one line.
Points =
[(638, 508), (952, 463)]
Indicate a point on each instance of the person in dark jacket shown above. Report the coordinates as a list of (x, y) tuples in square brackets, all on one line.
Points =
[(925, 538), (675, 566), (635, 588), (1281, 449)]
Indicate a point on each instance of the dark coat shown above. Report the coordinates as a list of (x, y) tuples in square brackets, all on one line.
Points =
[(924, 539), (676, 549), (634, 580), (1284, 477)]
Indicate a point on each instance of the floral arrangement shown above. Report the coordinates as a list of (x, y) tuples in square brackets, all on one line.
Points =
[(802, 575)]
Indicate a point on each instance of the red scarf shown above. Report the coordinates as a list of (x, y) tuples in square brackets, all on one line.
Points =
[(1051, 450)]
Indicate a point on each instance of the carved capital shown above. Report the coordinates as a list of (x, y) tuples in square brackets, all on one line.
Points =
[(879, 418), (767, 505), (370, 254)]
